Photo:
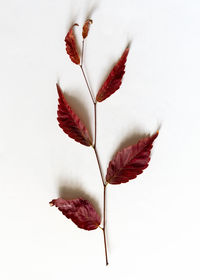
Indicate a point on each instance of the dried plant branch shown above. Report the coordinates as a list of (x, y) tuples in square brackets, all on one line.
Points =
[(127, 164)]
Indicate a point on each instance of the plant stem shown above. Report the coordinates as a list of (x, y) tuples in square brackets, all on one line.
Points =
[(95, 124), (104, 223), (82, 52), (99, 165), (84, 75), (104, 203), (83, 72), (96, 152)]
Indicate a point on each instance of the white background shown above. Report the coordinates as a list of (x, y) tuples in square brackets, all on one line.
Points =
[(153, 221)]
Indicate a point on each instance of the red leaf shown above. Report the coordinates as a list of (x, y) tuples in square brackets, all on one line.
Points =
[(114, 79), (70, 122), (71, 47), (86, 28), (130, 162), (80, 211)]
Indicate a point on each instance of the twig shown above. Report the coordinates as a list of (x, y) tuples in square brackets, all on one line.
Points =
[(95, 151), (91, 95)]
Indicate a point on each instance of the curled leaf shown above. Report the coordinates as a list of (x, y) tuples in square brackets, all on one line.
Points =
[(131, 161), (86, 27), (114, 79), (80, 211), (71, 47), (70, 122)]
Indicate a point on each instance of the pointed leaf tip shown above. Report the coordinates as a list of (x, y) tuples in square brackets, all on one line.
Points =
[(114, 79), (80, 211), (70, 122), (86, 27), (128, 163), (71, 47)]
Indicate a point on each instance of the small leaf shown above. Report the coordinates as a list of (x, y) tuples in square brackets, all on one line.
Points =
[(130, 162), (86, 27), (71, 47), (70, 122), (80, 211), (114, 79)]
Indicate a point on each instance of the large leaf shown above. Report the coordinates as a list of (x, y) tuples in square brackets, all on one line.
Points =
[(71, 46), (80, 211), (86, 28), (70, 122), (130, 162), (114, 79)]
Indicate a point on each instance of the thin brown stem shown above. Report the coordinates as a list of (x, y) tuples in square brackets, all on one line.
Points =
[(84, 75), (82, 52), (104, 223), (85, 78), (95, 124), (96, 152), (104, 203), (99, 165), (93, 100)]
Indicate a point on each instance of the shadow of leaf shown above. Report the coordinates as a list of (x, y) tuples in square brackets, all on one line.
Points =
[(111, 67), (72, 16), (91, 10), (79, 109), (132, 139), (75, 191)]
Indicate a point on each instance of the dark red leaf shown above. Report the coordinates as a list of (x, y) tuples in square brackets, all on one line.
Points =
[(80, 211), (71, 47), (114, 79), (70, 122), (130, 162), (86, 27)]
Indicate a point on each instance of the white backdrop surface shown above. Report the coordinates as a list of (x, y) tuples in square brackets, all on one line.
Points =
[(153, 221)]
